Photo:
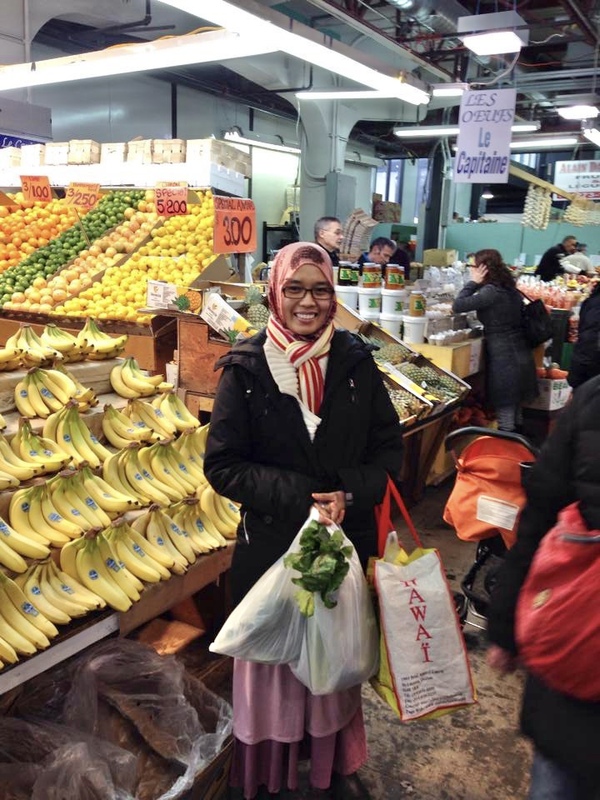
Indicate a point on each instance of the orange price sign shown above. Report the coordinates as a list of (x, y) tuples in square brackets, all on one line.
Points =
[(82, 195), (36, 188), (235, 225), (171, 201)]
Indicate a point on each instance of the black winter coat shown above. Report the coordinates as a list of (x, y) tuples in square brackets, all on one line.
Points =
[(259, 452), (510, 368), (563, 728), (585, 361), (550, 263)]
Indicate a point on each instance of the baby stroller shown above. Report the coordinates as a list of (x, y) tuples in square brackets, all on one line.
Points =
[(484, 506)]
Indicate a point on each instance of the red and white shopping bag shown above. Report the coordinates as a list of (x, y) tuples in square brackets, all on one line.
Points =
[(424, 668)]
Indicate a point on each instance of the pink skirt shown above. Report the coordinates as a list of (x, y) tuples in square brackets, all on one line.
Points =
[(277, 722)]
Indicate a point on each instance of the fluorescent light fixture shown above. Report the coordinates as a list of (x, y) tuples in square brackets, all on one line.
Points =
[(493, 34), (431, 131), (592, 135), (174, 51), (449, 89), (534, 144), (578, 112), (487, 194), (405, 91), (259, 140), (237, 19)]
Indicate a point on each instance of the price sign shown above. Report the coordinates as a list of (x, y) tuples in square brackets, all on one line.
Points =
[(82, 195), (235, 225), (36, 188), (171, 201)]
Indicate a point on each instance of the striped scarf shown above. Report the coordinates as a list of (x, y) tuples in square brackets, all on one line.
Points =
[(304, 356)]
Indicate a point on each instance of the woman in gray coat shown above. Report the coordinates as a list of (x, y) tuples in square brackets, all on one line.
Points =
[(510, 368)]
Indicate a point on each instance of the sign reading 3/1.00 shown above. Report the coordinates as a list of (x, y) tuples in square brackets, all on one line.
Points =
[(235, 225), (82, 195), (36, 188), (171, 201)]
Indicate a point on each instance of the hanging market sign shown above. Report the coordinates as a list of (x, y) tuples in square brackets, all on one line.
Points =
[(578, 177), (16, 141), (235, 225), (483, 145)]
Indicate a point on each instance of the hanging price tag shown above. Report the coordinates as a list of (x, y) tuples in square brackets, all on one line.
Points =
[(171, 201), (235, 225), (36, 188), (82, 195)]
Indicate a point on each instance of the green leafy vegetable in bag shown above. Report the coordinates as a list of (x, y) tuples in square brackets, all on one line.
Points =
[(323, 563)]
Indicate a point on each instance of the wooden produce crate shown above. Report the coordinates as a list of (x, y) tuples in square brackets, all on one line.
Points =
[(213, 782), (199, 348), (461, 359)]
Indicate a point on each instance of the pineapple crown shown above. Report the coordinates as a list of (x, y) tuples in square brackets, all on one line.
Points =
[(253, 296)]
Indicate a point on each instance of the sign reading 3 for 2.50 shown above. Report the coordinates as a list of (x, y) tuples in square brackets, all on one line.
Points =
[(235, 225)]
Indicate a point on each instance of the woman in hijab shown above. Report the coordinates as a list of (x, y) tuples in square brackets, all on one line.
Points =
[(301, 418)]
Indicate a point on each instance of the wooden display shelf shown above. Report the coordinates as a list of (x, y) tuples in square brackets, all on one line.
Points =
[(198, 350)]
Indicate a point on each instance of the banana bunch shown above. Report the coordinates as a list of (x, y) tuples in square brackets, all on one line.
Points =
[(97, 490), (15, 547), (10, 358), (42, 454), (191, 446), (35, 514), (128, 380), (175, 410), (160, 530), (137, 472), (14, 465), (221, 512), (139, 411), (68, 345), (23, 627), (144, 560), (100, 345), (120, 431), (93, 561), (42, 392), (202, 533), (74, 437), (58, 596), (86, 398), (33, 351)]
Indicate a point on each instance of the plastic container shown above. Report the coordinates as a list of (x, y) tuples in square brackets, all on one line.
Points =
[(414, 329), (348, 295), (371, 276), (391, 323), (416, 304), (393, 301), (345, 273), (371, 316), (369, 300), (394, 277)]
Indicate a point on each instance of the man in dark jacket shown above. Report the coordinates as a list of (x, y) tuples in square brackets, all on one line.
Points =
[(564, 730), (585, 361), (330, 234), (550, 264)]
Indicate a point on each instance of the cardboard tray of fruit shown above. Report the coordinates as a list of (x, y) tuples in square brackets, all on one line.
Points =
[(431, 382), (410, 406)]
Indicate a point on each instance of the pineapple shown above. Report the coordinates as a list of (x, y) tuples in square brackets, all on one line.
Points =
[(190, 301), (257, 314)]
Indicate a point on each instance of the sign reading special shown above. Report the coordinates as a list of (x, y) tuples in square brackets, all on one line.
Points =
[(483, 146), (578, 177)]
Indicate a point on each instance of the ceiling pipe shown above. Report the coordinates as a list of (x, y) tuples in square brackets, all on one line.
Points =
[(586, 25)]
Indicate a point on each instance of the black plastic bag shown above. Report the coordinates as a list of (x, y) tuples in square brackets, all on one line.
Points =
[(537, 323)]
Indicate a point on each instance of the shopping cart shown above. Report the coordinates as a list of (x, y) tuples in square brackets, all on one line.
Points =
[(485, 505)]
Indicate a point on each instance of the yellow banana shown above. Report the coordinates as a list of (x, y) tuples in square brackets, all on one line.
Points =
[(152, 417), (8, 653), (27, 608), (39, 523), (179, 538), (23, 400), (122, 388), (18, 513), (107, 498), (145, 455), (30, 586), (96, 577), (23, 544), (126, 580), (157, 552), (175, 409), (73, 588), (59, 599), (8, 556), (68, 554), (70, 530), (9, 462), (156, 536), (150, 486), (18, 621), (14, 638)]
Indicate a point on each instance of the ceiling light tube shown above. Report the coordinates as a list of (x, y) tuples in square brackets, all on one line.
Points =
[(578, 112), (428, 132), (449, 89), (559, 141), (404, 91), (234, 18), (254, 140), (172, 52), (592, 135)]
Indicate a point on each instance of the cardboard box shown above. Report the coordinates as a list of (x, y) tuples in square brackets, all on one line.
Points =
[(554, 394), (10, 157), (56, 153), (221, 153), (33, 155), (169, 151), (386, 212), (113, 152), (140, 151), (160, 294), (83, 151), (439, 258)]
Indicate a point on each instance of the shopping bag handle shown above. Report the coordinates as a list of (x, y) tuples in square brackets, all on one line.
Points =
[(383, 515)]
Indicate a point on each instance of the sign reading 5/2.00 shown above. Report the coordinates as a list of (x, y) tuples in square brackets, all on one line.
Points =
[(235, 225), (171, 201), (82, 195), (36, 188)]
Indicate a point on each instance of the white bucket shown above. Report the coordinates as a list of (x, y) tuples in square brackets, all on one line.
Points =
[(391, 323), (371, 316), (414, 329), (369, 300), (393, 301), (348, 295)]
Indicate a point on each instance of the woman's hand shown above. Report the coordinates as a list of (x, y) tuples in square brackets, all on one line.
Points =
[(479, 273), (331, 507), (501, 660)]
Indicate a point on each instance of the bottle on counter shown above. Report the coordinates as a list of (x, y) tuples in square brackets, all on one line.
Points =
[(394, 276), (345, 273), (371, 276), (416, 304)]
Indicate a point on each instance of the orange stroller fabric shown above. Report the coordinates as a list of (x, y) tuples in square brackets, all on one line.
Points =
[(488, 470)]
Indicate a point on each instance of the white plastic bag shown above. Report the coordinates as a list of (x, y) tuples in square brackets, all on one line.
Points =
[(332, 650)]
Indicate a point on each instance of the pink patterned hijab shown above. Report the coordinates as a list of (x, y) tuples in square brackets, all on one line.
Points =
[(303, 353)]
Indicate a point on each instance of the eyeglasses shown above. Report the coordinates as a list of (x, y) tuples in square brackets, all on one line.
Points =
[(300, 292)]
